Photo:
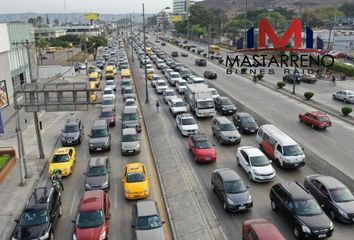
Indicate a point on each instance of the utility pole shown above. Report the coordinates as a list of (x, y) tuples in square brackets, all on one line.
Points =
[(146, 84), (244, 26), (208, 40), (85, 47), (20, 148), (131, 37)]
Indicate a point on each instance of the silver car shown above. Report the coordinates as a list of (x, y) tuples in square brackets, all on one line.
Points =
[(108, 102), (131, 119), (98, 174), (100, 137), (225, 131), (147, 221), (130, 143)]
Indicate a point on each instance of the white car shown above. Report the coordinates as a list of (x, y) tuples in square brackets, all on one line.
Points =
[(346, 96), (214, 93), (173, 77), (168, 94), (167, 72), (155, 78), (196, 80), (109, 92), (181, 86), (177, 106), (186, 124), (111, 84), (130, 103), (255, 163), (161, 86)]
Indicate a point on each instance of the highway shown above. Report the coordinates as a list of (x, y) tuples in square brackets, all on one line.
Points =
[(121, 209), (275, 108)]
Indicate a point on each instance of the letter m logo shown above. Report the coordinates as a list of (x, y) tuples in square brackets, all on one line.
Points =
[(265, 29)]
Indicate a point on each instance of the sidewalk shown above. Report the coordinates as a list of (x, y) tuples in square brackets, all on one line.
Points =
[(13, 196)]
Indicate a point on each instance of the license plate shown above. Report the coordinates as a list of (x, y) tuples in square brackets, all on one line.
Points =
[(296, 164), (322, 236), (98, 149), (207, 159), (70, 141), (230, 110), (252, 130), (242, 207), (130, 151)]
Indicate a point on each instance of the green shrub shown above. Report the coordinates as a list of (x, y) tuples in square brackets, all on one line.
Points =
[(346, 110), (281, 84), (308, 95), (260, 76), (342, 68), (243, 70), (205, 54)]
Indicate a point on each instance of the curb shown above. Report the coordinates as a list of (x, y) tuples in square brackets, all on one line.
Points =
[(7, 168), (166, 206)]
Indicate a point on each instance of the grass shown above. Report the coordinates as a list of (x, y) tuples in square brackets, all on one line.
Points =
[(79, 57), (3, 161)]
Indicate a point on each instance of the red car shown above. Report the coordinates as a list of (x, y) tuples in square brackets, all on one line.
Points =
[(338, 54), (260, 229), (108, 115), (92, 218), (316, 119), (202, 149)]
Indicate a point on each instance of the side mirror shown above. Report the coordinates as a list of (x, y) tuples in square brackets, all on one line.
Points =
[(270, 161), (163, 222), (16, 220), (62, 130), (88, 135), (73, 221), (247, 186), (322, 205), (133, 226)]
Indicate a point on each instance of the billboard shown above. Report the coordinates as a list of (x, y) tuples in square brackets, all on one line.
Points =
[(91, 16), (4, 99), (175, 18)]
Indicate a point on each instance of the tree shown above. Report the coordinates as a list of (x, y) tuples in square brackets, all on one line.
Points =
[(32, 21), (42, 43), (347, 9), (199, 30), (39, 21), (56, 22), (92, 44)]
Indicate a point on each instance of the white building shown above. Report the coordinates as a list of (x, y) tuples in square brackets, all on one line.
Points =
[(89, 30), (49, 32), (180, 6)]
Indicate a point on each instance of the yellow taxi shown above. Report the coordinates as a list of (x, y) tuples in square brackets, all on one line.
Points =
[(94, 78), (125, 73), (63, 159), (93, 94), (148, 50), (135, 181), (109, 72), (150, 74)]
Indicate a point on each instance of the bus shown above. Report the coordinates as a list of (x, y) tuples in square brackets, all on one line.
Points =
[(214, 49)]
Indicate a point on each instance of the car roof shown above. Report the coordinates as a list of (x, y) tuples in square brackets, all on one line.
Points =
[(329, 181), (106, 110), (91, 200), (146, 208), (134, 167), (99, 123), (244, 114), (266, 230), (62, 150), (130, 110), (108, 98), (108, 88), (200, 137), (39, 198), (227, 174), (252, 151), (318, 113), (296, 190), (186, 115), (97, 161), (129, 131), (222, 120), (281, 136), (72, 122)]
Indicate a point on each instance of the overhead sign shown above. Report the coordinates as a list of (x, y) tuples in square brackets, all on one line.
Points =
[(91, 16), (175, 18)]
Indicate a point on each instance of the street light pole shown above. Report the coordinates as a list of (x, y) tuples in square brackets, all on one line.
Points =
[(146, 84), (131, 37), (244, 26)]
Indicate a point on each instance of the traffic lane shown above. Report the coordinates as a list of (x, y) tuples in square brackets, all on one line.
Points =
[(121, 209), (283, 112), (232, 223)]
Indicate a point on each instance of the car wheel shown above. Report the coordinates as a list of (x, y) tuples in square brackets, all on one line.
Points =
[(334, 97), (212, 186), (220, 140), (345, 100), (332, 214), (79, 139), (261, 147), (296, 232), (250, 176), (237, 161), (71, 170), (313, 126), (273, 205), (51, 235), (60, 210), (241, 130), (224, 205), (277, 162)]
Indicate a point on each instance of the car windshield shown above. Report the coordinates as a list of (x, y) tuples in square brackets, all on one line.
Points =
[(107, 102), (33, 217), (175, 75), (98, 133), (95, 171), (188, 121), (161, 84), (128, 91), (107, 114), (170, 93), (130, 116), (130, 138), (92, 79), (135, 177), (235, 186), (126, 83), (130, 103), (204, 144), (307, 207), (110, 83), (247, 119), (227, 127), (183, 83), (341, 194), (205, 104), (293, 150), (90, 219), (71, 128), (186, 72), (107, 92), (323, 119), (259, 161), (59, 158), (148, 222), (179, 104), (214, 92), (226, 101)]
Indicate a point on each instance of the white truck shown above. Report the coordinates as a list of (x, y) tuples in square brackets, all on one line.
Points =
[(199, 98)]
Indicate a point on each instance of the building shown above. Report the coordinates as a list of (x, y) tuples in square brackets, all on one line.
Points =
[(180, 6), (89, 30), (49, 32), (14, 65)]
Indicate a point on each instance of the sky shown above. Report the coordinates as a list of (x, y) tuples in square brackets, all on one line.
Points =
[(99, 6)]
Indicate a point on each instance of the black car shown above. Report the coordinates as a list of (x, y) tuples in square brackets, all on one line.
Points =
[(334, 197), (200, 62), (290, 78), (39, 216), (163, 44), (231, 190), (185, 73), (208, 74), (224, 106), (301, 210), (174, 54), (72, 133), (245, 123), (178, 66)]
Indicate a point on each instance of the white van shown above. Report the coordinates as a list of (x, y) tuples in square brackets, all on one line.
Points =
[(279, 146)]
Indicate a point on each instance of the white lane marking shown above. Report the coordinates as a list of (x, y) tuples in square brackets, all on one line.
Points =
[(73, 203)]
